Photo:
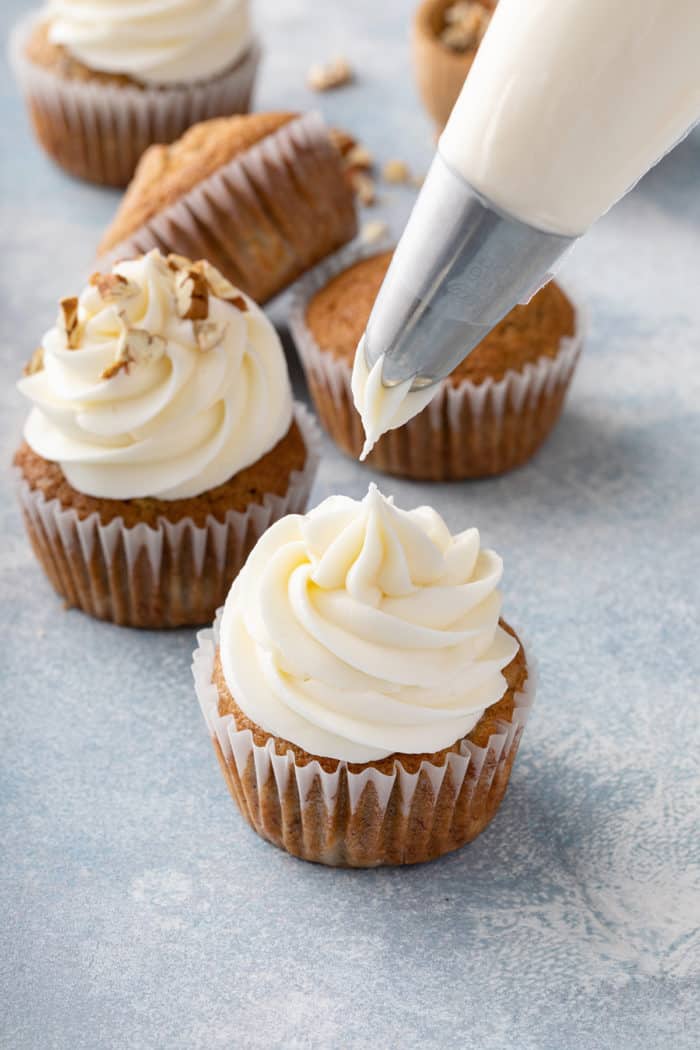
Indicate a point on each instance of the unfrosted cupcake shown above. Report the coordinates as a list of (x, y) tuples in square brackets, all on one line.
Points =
[(364, 698), (103, 80), (446, 38), (489, 416), (162, 442), (262, 197)]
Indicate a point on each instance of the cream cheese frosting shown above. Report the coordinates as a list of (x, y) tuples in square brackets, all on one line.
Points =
[(160, 380), (154, 41), (381, 407), (360, 630)]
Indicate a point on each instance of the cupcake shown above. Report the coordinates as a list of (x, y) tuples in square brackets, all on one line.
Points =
[(162, 442), (262, 197), (489, 416), (446, 37), (104, 80), (363, 696)]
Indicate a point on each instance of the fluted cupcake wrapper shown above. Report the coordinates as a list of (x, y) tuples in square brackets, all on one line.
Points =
[(98, 131), (265, 217), (365, 819), (173, 575), (471, 430)]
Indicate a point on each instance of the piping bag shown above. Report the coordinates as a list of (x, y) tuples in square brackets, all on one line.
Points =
[(465, 260)]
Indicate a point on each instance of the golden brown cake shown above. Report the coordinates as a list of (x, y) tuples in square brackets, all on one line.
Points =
[(263, 197), (143, 498), (491, 414)]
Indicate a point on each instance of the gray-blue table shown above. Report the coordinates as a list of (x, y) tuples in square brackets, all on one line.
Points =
[(139, 911)]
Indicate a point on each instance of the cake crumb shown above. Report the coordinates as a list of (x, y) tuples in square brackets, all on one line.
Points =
[(331, 75)]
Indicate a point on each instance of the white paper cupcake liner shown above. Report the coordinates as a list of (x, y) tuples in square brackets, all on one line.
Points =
[(262, 219), (98, 131), (467, 431), (367, 818), (173, 575)]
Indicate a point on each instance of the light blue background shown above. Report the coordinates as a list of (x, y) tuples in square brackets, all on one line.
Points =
[(138, 911)]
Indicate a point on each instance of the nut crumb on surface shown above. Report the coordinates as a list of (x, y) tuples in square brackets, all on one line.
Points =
[(374, 231), (396, 171), (330, 75), (465, 25)]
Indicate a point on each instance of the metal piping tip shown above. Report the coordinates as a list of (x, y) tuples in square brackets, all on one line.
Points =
[(459, 267)]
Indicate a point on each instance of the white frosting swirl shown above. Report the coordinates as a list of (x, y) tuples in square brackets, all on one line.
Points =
[(154, 41), (360, 630), (173, 422)]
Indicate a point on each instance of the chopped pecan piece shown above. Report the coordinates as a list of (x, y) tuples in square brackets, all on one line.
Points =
[(35, 363), (192, 295)]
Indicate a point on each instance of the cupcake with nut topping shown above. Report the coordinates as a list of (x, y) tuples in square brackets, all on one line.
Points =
[(363, 695), (163, 440), (103, 80)]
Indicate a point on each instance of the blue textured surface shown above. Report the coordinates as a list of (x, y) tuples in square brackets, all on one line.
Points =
[(138, 911)]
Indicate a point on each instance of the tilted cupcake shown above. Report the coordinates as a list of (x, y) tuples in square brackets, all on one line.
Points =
[(162, 442), (446, 38), (489, 416), (263, 197), (104, 79), (363, 696)]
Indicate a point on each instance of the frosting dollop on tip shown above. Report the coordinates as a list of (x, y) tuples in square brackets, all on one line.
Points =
[(381, 407)]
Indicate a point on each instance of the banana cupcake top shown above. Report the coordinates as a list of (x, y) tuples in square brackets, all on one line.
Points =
[(152, 41), (360, 630), (161, 379)]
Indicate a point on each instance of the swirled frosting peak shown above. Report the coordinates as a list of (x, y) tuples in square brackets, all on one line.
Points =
[(360, 630), (160, 380), (154, 41)]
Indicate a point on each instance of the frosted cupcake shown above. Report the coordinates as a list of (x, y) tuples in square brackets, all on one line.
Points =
[(489, 416), (162, 442), (103, 79), (364, 698)]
